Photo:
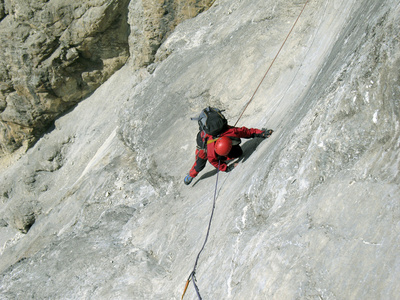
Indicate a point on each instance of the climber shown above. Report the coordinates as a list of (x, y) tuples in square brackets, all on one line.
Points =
[(218, 142)]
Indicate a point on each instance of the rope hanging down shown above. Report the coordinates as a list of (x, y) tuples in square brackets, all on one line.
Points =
[(192, 275), (277, 54)]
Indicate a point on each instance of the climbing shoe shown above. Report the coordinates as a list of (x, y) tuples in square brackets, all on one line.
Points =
[(188, 179), (231, 167)]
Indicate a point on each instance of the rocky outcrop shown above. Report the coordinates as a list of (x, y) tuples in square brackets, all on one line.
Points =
[(2, 14), (152, 21), (54, 53)]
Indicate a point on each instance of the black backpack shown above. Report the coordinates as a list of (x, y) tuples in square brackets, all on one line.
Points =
[(212, 121)]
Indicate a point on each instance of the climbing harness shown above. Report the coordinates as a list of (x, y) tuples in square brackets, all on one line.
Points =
[(192, 275), (273, 61)]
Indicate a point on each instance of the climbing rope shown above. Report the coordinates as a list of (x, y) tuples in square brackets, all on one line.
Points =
[(192, 275), (273, 61)]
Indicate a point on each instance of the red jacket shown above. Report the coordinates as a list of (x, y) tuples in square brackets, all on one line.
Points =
[(242, 132)]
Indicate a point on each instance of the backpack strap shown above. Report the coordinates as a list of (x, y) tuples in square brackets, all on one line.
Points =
[(205, 141), (201, 140)]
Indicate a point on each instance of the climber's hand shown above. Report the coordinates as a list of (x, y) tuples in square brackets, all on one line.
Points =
[(265, 134)]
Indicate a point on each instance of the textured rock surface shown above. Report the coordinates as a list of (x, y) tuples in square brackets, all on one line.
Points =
[(152, 21), (311, 213), (54, 53)]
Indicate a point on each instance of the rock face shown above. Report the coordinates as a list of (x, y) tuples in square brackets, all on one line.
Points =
[(152, 21), (97, 208), (54, 53)]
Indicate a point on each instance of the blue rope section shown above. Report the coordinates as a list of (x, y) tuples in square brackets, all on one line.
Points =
[(193, 274)]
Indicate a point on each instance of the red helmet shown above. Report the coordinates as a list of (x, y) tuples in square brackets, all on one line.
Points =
[(223, 146)]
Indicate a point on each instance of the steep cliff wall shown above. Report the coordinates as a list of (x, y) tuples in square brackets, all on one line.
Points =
[(55, 53), (97, 209)]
